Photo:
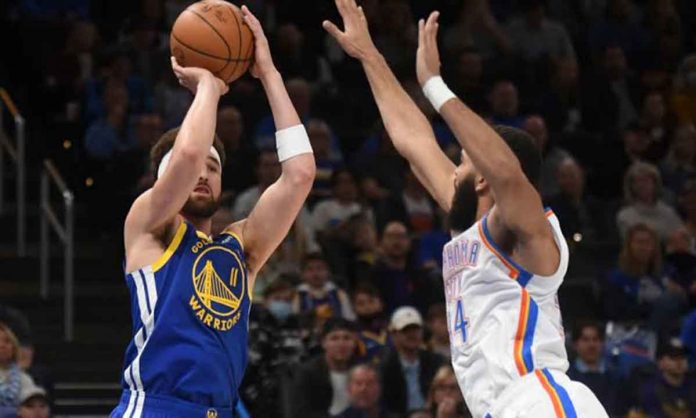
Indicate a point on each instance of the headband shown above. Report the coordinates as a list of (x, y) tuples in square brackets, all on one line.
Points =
[(165, 160)]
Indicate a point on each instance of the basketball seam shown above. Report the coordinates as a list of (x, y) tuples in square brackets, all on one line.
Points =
[(209, 55), (229, 52), (239, 38)]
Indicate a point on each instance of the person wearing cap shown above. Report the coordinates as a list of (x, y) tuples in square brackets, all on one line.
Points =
[(672, 392), (407, 369), (33, 403), (321, 386)]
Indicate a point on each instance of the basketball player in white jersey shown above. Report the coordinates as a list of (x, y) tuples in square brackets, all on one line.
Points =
[(507, 257)]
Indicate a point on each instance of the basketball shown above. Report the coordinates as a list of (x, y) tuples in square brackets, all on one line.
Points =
[(211, 34)]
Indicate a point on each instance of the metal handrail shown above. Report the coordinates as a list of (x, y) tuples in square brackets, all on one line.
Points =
[(17, 154), (65, 233)]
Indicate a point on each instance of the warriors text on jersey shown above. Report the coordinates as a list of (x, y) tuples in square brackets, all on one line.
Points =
[(190, 316), (504, 323)]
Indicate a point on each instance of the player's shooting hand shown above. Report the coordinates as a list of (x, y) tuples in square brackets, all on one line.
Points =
[(263, 62), (427, 55), (193, 77), (355, 38)]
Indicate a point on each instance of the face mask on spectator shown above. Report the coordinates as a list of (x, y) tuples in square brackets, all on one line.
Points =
[(280, 309)]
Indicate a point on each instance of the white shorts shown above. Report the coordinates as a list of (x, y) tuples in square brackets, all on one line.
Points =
[(547, 394)]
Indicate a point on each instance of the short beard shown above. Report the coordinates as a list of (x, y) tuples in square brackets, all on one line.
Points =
[(200, 209), (462, 214)]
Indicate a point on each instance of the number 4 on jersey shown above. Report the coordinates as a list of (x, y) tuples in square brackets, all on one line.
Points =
[(460, 321)]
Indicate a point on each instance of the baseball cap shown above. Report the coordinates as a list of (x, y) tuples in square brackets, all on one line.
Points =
[(32, 391), (405, 316), (672, 347)]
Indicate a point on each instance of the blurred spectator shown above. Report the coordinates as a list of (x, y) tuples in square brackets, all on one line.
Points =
[(394, 273), (634, 285), (238, 173), (619, 27), (321, 387), (171, 100), (267, 172), (317, 296), (365, 394), (412, 207), (278, 343), (466, 80), (397, 35), (12, 379), (534, 36), (687, 201), (680, 163), (431, 244), (504, 103), (365, 249), (562, 105), (679, 279), (552, 154), (445, 399), (657, 125), (146, 47), (688, 336), (329, 215), (293, 58), (439, 335), (590, 368), (672, 393), (320, 137), (372, 325), (644, 204), (684, 96), (113, 134), (33, 403), (664, 26), (407, 369), (477, 27)]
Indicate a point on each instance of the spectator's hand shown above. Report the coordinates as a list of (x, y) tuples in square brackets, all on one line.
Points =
[(427, 55), (194, 77), (355, 38), (263, 62)]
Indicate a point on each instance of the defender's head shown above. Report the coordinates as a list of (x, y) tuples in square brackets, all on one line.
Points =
[(205, 197), (470, 186)]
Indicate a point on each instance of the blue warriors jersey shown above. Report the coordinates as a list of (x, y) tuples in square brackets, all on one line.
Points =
[(190, 322)]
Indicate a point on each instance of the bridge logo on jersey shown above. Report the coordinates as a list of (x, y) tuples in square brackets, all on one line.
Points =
[(219, 283)]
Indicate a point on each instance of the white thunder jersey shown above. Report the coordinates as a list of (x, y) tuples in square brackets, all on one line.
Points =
[(504, 322)]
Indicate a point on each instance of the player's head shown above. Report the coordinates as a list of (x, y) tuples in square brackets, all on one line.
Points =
[(205, 197), (470, 186)]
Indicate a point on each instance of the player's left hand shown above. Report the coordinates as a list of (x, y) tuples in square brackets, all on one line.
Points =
[(263, 62), (355, 38), (427, 55)]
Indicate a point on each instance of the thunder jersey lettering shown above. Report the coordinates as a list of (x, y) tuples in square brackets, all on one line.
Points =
[(190, 318), (503, 321)]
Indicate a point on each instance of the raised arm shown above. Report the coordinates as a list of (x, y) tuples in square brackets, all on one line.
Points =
[(157, 208), (518, 206), (277, 208), (408, 128)]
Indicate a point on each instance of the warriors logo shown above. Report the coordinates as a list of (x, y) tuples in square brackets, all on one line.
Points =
[(218, 297)]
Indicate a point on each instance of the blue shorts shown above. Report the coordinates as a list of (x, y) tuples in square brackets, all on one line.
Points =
[(139, 405)]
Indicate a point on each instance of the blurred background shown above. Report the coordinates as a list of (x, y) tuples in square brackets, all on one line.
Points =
[(607, 88)]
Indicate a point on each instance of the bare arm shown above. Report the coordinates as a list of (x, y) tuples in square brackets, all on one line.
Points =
[(156, 209), (408, 128), (518, 208), (274, 214)]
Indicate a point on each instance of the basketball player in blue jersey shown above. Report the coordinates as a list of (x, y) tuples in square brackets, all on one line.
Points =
[(191, 292), (507, 257)]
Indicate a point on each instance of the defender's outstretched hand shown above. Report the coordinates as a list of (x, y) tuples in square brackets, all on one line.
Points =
[(263, 62), (192, 77), (355, 38), (427, 55)]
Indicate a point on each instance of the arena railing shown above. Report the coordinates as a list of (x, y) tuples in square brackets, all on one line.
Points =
[(16, 153), (64, 231)]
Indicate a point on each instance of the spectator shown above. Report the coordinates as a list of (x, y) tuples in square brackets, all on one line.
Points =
[(445, 399), (146, 46), (619, 27), (33, 403), (365, 249), (680, 163), (590, 368), (688, 336), (439, 335), (318, 297), (293, 57), (478, 27), (407, 369), (552, 154), (267, 172), (687, 201), (562, 105), (365, 394), (467, 79), (672, 392), (372, 327), (320, 137), (656, 123), (431, 244), (111, 135), (237, 174), (12, 379), (643, 191), (634, 285), (170, 100), (535, 37), (504, 102), (413, 207), (329, 215), (321, 387), (397, 36), (684, 96)]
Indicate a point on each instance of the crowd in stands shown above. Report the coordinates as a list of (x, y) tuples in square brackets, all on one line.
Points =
[(348, 318)]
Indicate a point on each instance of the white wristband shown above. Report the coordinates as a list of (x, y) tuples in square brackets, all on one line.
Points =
[(437, 92), (291, 142)]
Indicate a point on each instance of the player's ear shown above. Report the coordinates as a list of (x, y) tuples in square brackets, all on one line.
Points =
[(480, 184)]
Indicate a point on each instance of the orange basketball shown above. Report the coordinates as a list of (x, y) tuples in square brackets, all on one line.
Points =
[(211, 34)]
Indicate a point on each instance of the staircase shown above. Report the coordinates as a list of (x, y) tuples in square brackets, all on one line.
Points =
[(86, 372)]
